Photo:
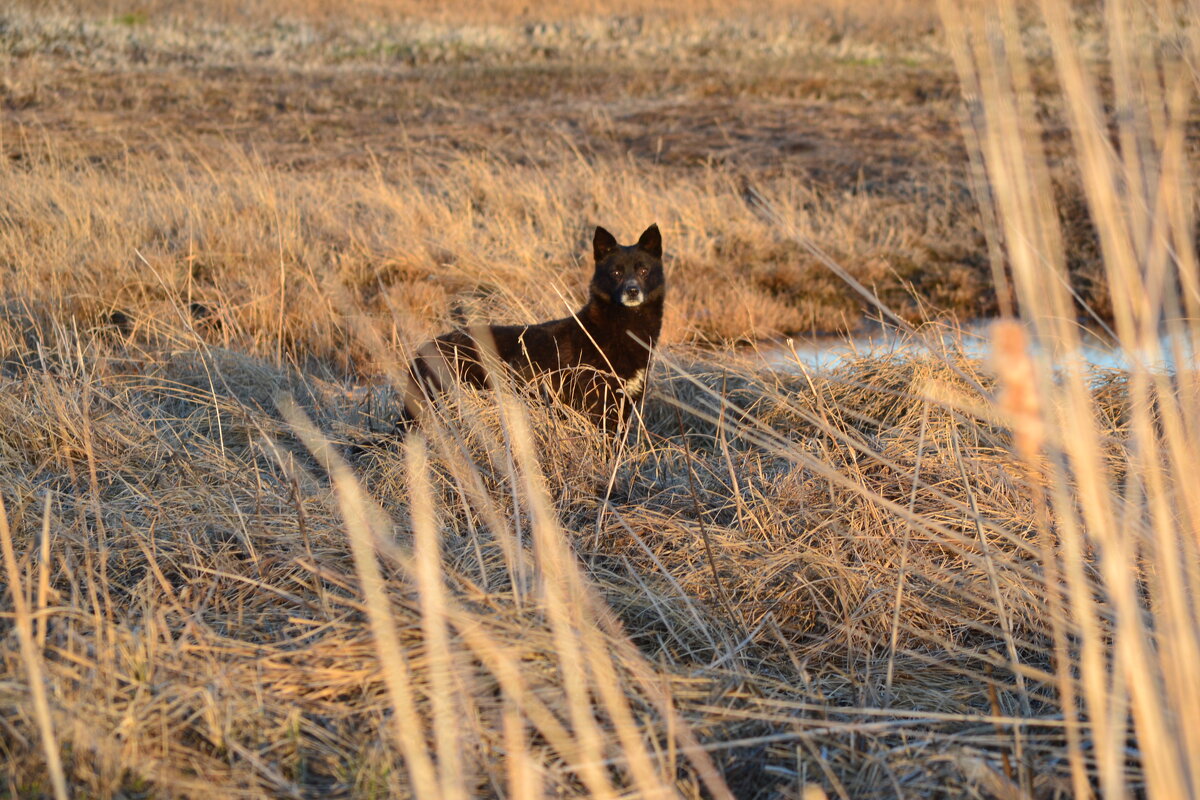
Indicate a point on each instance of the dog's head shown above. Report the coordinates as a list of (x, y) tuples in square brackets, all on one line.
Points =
[(628, 275)]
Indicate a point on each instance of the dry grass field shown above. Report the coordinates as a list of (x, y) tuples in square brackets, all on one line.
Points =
[(224, 226)]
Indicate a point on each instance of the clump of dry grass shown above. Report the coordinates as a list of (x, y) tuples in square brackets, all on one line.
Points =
[(219, 625), (752, 555)]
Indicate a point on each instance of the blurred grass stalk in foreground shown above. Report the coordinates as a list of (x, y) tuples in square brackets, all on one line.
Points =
[(1128, 637)]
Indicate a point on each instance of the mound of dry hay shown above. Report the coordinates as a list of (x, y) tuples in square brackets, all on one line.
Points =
[(822, 577)]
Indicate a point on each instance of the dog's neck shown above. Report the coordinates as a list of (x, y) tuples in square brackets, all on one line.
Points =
[(610, 324)]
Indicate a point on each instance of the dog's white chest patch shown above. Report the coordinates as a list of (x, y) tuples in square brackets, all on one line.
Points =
[(633, 386)]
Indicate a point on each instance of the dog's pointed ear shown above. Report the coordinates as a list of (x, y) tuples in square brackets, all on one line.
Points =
[(603, 243), (651, 241)]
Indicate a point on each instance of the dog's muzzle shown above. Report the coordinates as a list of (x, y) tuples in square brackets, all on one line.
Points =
[(632, 296)]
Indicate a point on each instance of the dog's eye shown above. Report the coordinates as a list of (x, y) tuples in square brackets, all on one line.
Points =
[(616, 273), (643, 272)]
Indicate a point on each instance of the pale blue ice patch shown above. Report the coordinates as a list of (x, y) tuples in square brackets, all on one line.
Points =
[(973, 341)]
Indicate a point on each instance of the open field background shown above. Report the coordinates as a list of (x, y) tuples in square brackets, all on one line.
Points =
[(453, 148), (915, 575)]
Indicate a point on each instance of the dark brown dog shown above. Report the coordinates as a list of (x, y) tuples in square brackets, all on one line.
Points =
[(595, 361)]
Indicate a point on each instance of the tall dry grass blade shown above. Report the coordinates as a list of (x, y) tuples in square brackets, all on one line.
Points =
[(521, 772), (1123, 524), (445, 696), (1001, 610), (562, 582), (561, 605), (33, 665), (1015, 168), (358, 514), (901, 575), (1018, 398), (43, 582), (722, 595), (1116, 207)]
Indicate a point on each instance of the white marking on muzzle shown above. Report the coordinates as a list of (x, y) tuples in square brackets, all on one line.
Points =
[(630, 301)]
